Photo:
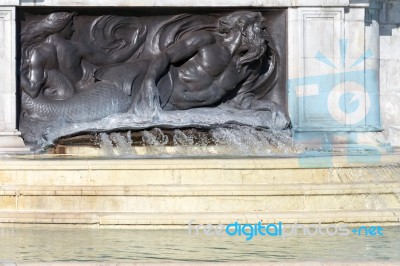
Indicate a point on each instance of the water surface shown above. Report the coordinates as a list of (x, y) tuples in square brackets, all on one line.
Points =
[(122, 245)]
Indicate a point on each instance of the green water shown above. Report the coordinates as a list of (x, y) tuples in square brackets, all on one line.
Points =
[(38, 245)]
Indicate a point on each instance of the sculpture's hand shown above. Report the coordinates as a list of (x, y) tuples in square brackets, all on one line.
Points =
[(39, 84), (32, 89), (147, 102), (279, 118)]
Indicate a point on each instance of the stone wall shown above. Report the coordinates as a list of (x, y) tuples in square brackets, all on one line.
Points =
[(335, 52), (10, 140), (389, 31)]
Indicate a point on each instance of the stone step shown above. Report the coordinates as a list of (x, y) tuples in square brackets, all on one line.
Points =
[(38, 186), (339, 169), (181, 220), (206, 190), (202, 198)]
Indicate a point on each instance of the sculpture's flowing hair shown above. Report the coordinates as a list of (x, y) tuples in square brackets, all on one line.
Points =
[(260, 50), (177, 28), (244, 21), (35, 32)]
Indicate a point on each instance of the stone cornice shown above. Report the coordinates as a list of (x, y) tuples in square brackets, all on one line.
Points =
[(183, 3)]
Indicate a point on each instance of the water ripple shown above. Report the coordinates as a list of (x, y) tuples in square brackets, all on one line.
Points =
[(33, 245)]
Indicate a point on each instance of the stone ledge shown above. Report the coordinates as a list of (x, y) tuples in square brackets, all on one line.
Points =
[(175, 3), (205, 190), (313, 160), (11, 142), (200, 204), (181, 220), (290, 263)]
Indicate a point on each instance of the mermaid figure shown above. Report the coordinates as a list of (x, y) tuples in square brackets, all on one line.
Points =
[(54, 76)]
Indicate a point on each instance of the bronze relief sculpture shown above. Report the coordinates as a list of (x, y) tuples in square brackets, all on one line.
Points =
[(133, 73)]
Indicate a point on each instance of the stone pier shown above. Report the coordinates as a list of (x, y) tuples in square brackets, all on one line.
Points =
[(10, 140)]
